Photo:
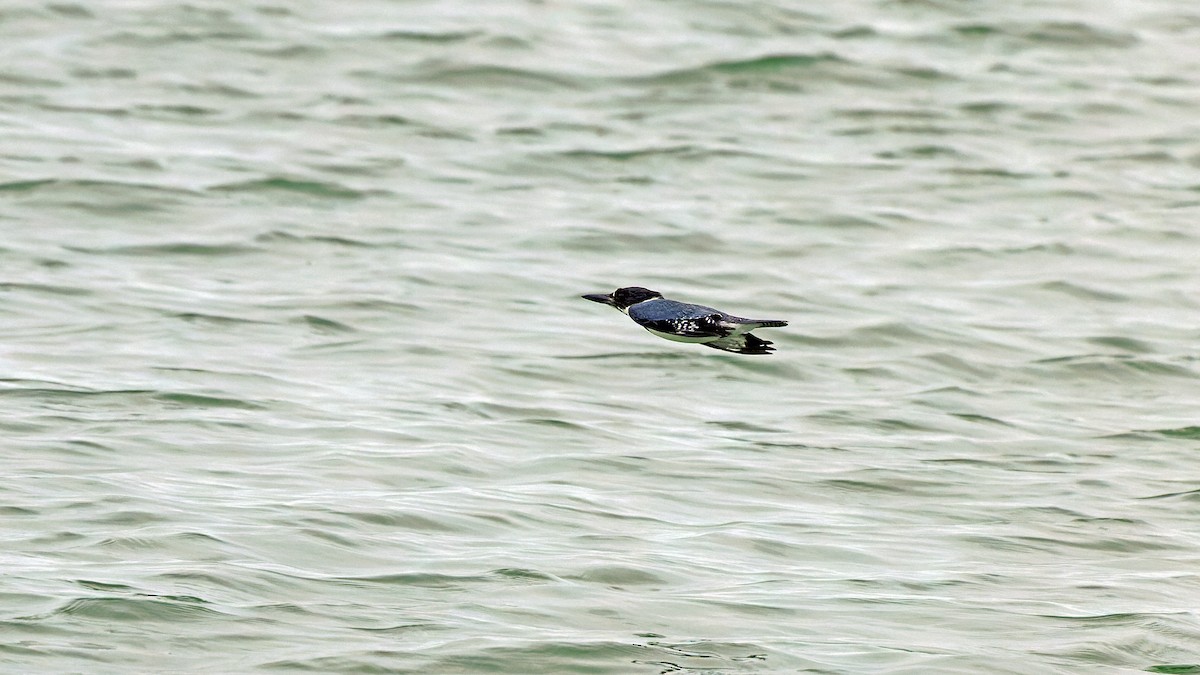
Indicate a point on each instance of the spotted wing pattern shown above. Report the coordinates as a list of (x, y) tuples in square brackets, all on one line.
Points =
[(679, 318)]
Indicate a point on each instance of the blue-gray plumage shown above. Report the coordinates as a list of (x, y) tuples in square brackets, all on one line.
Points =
[(683, 322)]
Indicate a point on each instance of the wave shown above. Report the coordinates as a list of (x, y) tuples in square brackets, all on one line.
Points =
[(311, 188), (56, 184), (1053, 33), (770, 64), (451, 74), (789, 71), (169, 248), (155, 609)]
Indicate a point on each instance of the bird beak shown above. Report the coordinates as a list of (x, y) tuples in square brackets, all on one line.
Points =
[(600, 298)]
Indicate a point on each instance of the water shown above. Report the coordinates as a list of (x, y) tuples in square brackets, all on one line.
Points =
[(296, 377)]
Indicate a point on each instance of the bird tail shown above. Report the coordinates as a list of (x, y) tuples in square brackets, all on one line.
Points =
[(742, 344), (766, 323)]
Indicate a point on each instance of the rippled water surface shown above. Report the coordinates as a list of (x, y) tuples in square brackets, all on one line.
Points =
[(296, 376)]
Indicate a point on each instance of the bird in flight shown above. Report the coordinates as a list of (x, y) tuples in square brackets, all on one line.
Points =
[(683, 322)]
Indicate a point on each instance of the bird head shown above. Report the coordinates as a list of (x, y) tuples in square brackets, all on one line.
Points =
[(622, 298)]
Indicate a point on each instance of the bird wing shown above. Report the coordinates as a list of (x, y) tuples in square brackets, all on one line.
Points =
[(678, 318), (755, 323), (704, 326)]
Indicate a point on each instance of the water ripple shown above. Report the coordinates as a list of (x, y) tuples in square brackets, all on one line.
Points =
[(294, 346)]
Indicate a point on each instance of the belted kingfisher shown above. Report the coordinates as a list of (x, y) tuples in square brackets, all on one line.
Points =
[(682, 322)]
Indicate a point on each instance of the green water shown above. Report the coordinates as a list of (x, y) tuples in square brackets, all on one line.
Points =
[(296, 376)]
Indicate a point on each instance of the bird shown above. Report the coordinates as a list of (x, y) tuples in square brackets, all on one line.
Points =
[(683, 322)]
